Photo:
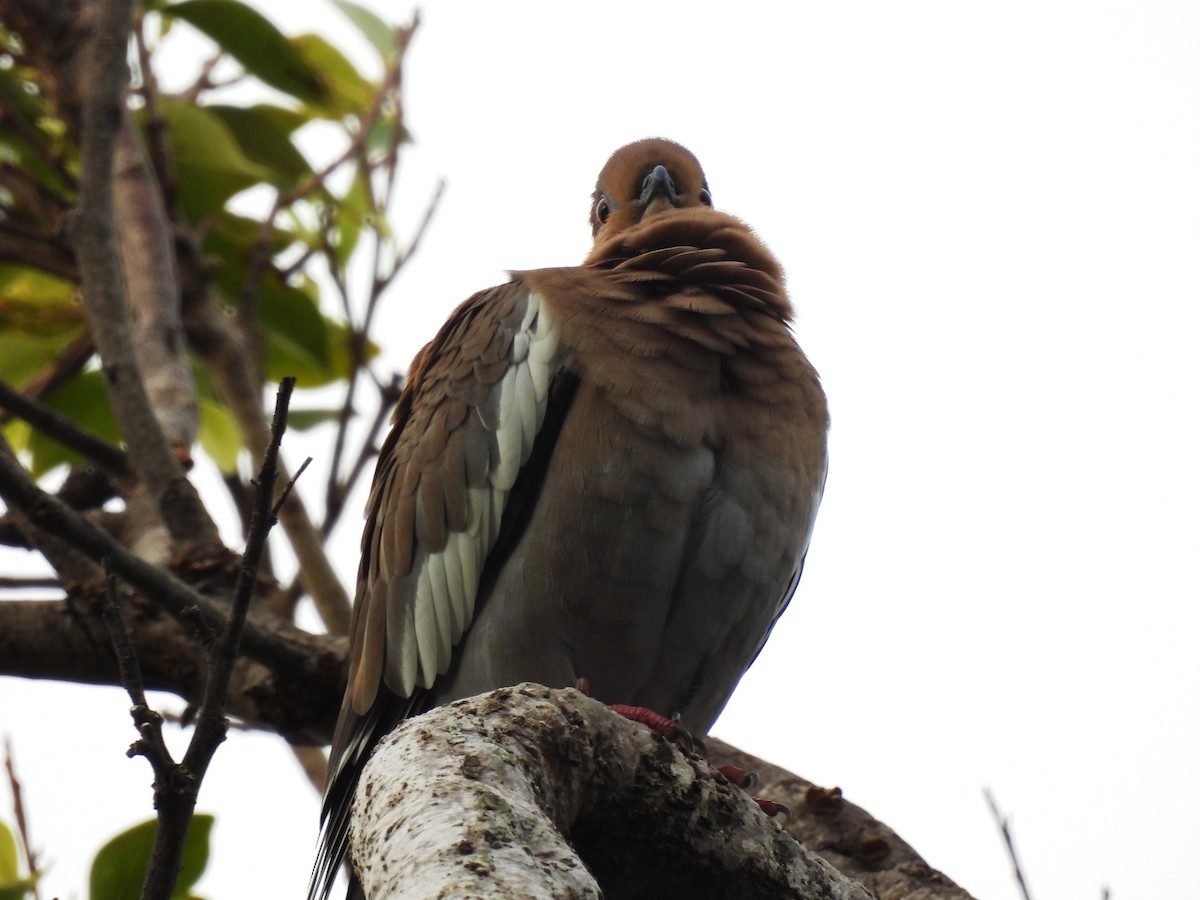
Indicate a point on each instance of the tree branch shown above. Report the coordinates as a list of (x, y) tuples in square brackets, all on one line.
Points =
[(64, 640), (96, 248), (856, 843), (211, 724), (525, 768), (177, 785), (1009, 845), (267, 639), (148, 261), (63, 430)]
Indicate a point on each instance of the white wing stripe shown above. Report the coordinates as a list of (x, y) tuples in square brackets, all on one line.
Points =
[(445, 585)]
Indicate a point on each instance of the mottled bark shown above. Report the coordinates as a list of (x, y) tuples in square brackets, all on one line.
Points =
[(531, 792), (94, 236), (859, 845), (65, 640), (148, 262)]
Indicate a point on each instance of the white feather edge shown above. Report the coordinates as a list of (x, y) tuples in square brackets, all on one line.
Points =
[(447, 583)]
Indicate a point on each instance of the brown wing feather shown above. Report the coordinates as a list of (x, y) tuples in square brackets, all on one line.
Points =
[(434, 498)]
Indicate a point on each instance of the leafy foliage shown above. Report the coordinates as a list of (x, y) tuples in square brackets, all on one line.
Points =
[(12, 885), (210, 151), (120, 865)]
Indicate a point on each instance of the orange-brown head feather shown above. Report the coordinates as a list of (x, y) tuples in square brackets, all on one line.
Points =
[(632, 187)]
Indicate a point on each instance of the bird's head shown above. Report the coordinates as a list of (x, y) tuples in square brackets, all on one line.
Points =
[(642, 180)]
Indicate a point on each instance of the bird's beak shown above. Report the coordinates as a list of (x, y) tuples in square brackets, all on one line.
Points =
[(658, 186)]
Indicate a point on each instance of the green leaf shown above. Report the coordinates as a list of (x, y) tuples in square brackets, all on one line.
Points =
[(348, 220), (9, 860), (19, 99), (231, 239), (120, 866), (387, 133), (39, 316), (24, 354), (253, 41), (33, 286), (210, 164), (349, 92), (12, 885), (82, 400), (18, 433), (381, 35), (294, 335), (304, 419), (265, 141), (220, 436)]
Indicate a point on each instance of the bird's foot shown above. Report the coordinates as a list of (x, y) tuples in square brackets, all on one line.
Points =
[(739, 777), (670, 728)]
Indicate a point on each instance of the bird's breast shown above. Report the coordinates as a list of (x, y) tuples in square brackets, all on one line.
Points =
[(673, 512)]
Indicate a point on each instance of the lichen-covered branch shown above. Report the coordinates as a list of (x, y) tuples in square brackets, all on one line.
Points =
[(855, 842), (538, 793)]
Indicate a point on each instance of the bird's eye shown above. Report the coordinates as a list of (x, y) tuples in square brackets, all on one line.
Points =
[(705, 197), (602, 210)]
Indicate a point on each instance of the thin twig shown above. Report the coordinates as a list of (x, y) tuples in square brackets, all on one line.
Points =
[(172, 782), (14, 786), (422, 227), (1006, 833), (148, 722), (177, 785), (287, 488), (63, 430), (211, 725), (267, 639)]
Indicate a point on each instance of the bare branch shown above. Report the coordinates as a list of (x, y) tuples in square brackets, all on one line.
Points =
[(177, 785), (415, 241), (211, 724), (156, 126), (48, 254), (63, 430), (65, 558), (148, 723), (65, 640), (1006, 833), (267, 639), (389, 396)]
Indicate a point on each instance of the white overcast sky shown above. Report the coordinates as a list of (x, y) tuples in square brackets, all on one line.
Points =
[(990, 218)]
